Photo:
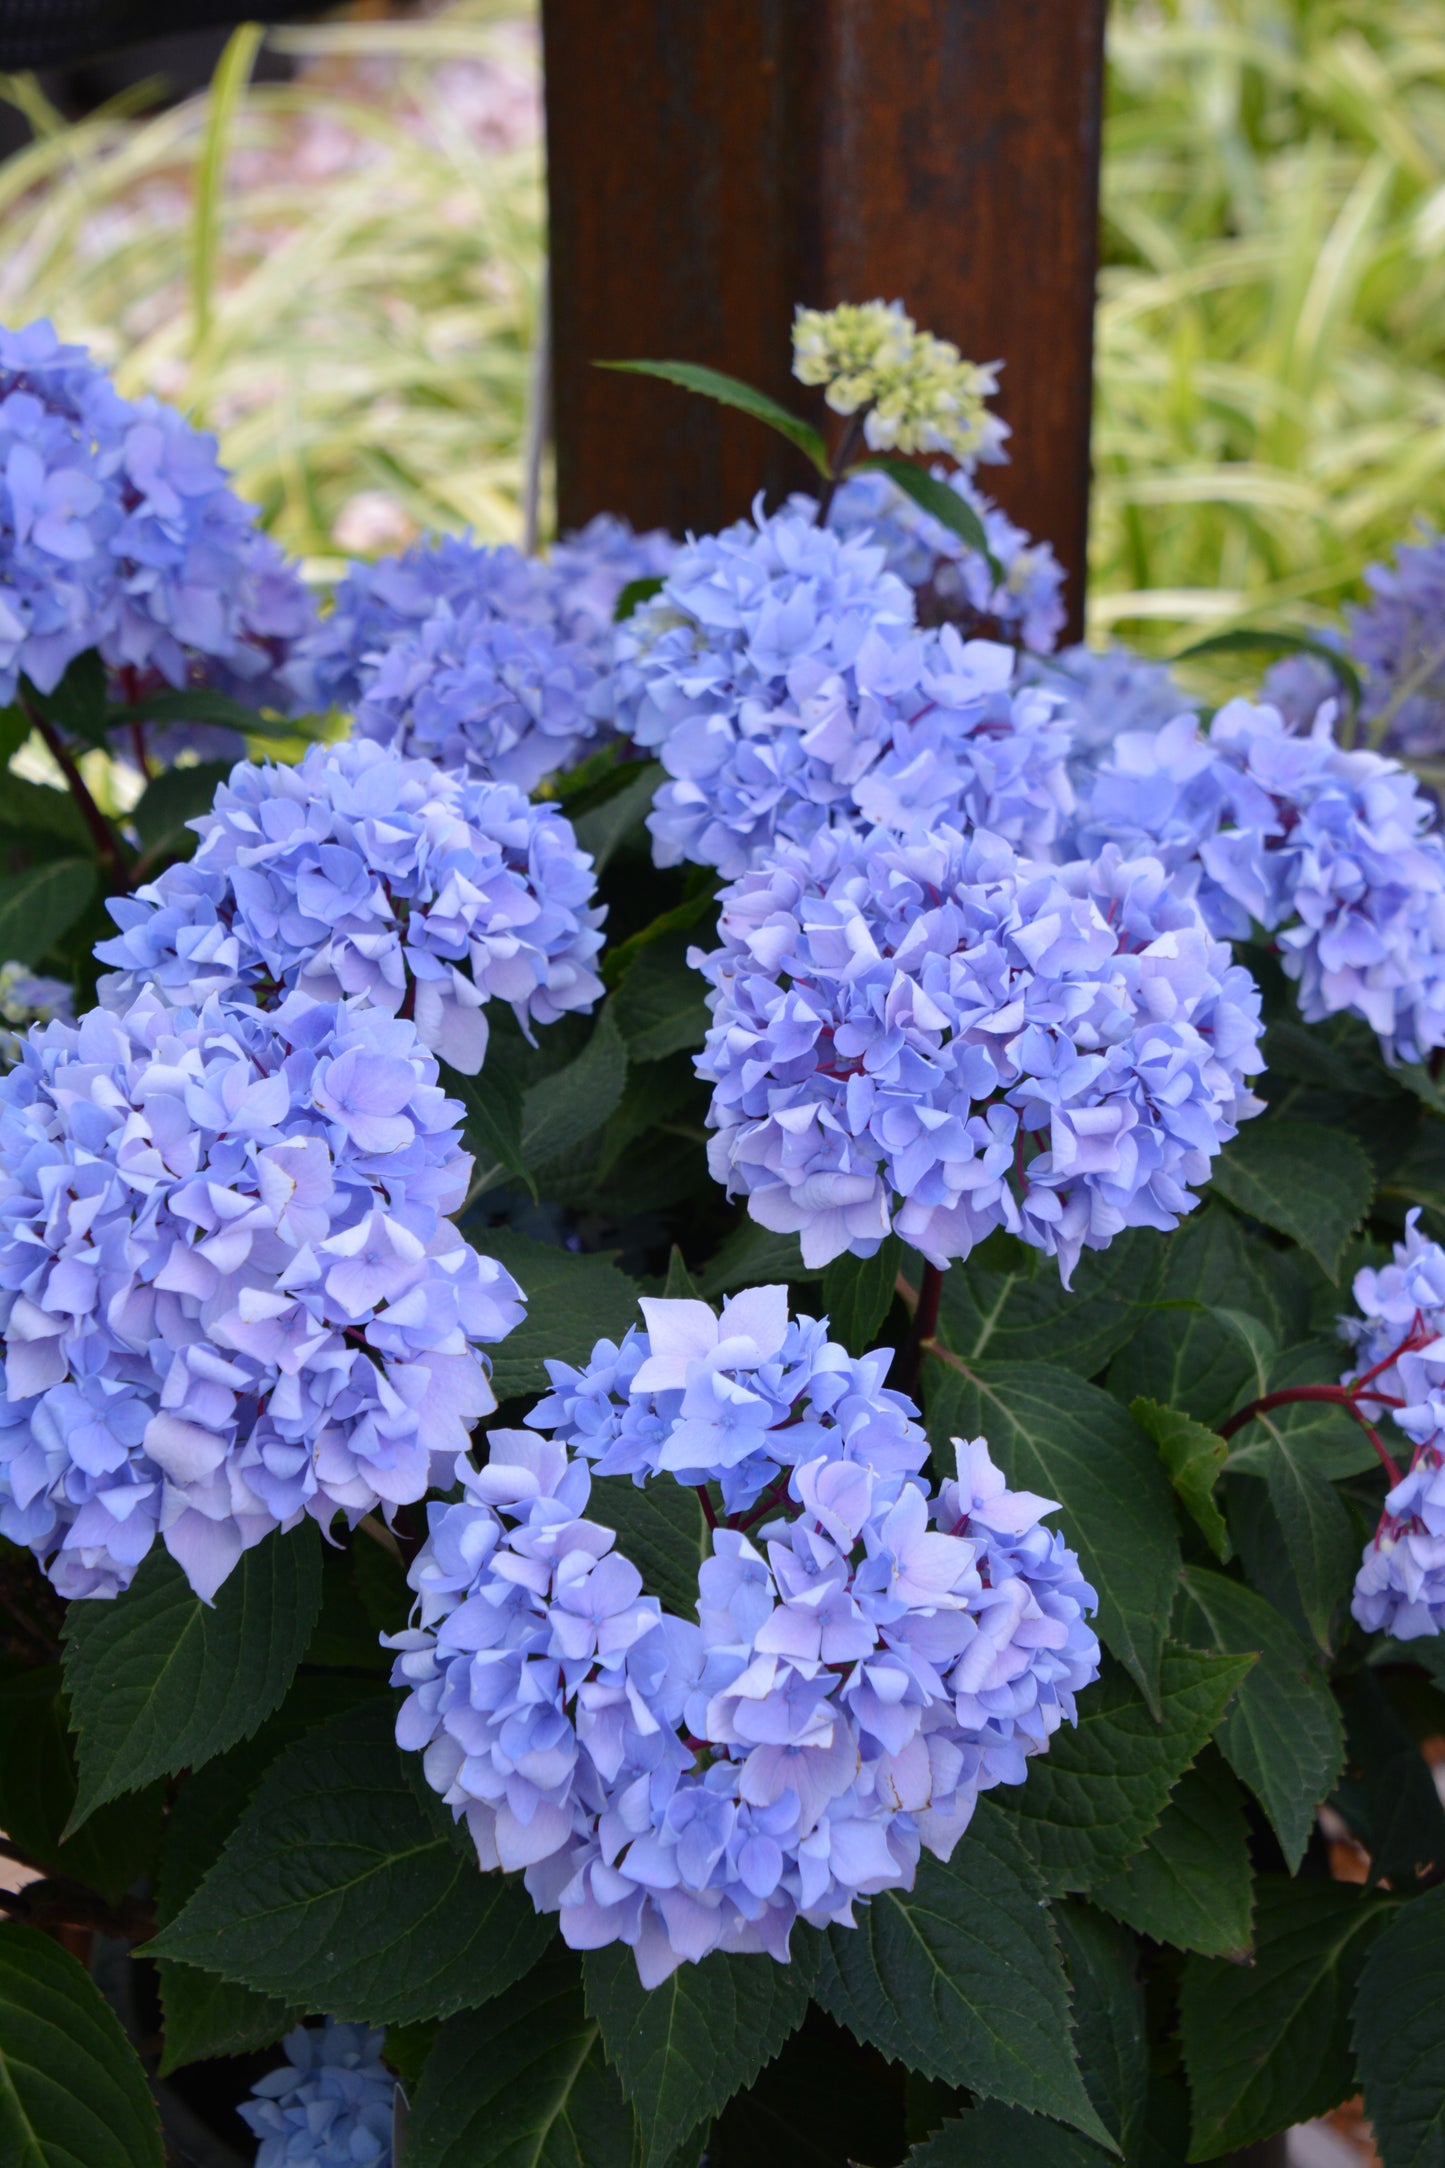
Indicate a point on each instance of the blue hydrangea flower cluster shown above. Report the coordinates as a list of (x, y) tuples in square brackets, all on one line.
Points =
[(499, 699), (481, 658), (1334, 852), (951, 580), (360, 873), (1107, 692), (588, 570), (1399, 1343), (118, 532), (1298, 685), (229, 1293), (27, 998), (329, 2105), (942, 1038), (783, 683), (379, 605), (1398, 639), (863, 1664)]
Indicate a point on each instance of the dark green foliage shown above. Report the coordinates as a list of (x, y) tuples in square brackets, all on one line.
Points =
[(38, 1787), (162, 1682), (1314, 1184), (1387, 1793), (1090, 1802), (661, 1528), (37, 907), (1110, 2019), (858, 1294), (659, 1006), (962, 1977), (1013, 1307), (683, 2050), (522, 2081), (1189, 1884), (1268, 2044), (1399, 2035), (572, 1303), (1194, 1459), (72, 2094), (1283, 1734), (1184, 1356), (346, 1888), (1052, 1433)]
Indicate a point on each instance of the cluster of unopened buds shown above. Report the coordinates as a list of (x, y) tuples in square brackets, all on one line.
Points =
[(867, 1654)]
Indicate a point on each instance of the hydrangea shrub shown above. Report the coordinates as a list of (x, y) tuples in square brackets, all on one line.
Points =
[(723, 1306)]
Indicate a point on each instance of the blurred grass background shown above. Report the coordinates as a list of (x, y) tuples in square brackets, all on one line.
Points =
[(341, 274)]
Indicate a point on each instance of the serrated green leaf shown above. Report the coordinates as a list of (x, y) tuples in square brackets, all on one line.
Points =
[(753, 1256), (1051, 1432), (602, 829), (659, 1006), (617, 962), (205, 2015), (1110, 2023), (732, 392), (491, 1122), (993, 2136), (159, 1681), (661, 1528), (196, 704), (38, 906), (1324, 1550), (686, 2047), (1190, 1884), (1092, 1800), (961, 1977), (1310, 1182), (940, 502), (858, 1294), (679, 1285), (1399, 2034), (344, 1888), (77, 705), (574, 1103), (573, 1301), (1283, 1735), (1266, 2045), (1194, 1459), (522, 2083), (28, 809), (72, 2093), (1026, 1312), (37, 1794), (1190, 1359), (173, 798)]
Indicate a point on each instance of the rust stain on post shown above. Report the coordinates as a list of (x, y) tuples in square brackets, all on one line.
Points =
[(710, 165)]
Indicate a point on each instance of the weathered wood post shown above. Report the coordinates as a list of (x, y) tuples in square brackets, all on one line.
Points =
[(710, 164)]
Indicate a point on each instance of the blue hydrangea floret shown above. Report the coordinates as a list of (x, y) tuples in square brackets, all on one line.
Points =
[(362, 874), (1334, 851), (119, 532), (329, 2105), (229, 1292), (866, 1656), (1398, 1336), (943, 1038)]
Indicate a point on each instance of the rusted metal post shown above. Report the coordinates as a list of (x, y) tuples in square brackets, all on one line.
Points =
[(710, 164)]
